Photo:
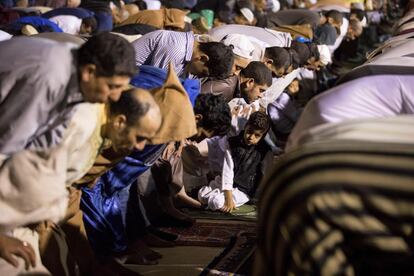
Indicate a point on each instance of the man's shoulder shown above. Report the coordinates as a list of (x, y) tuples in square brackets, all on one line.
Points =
[(35, 53), (166, 33)]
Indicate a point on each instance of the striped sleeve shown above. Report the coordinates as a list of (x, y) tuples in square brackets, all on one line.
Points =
[(338, 208)]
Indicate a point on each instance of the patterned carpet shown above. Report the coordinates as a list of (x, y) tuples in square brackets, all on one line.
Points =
[(210, 233), (243, 213)]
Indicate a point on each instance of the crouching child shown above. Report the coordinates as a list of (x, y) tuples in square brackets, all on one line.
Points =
[(242, 171)]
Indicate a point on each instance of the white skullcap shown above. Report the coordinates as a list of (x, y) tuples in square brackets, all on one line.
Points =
[(248, 14), (241, 45), (153, 4), (364, 22), (275, 5)]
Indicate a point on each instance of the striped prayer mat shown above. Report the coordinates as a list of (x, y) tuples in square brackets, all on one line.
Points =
[(236, 257)]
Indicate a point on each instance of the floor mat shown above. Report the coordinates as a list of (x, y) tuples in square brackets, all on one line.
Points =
[(243, 213), (236, 258), (209, 233)]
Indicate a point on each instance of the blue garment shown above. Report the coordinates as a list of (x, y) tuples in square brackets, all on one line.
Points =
[(105, 23), (284, 113), (105, 206), (7, 3), (78, 12), (150, 77), (42, 25)]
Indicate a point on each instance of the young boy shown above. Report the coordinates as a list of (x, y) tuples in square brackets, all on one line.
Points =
[(242, 168)]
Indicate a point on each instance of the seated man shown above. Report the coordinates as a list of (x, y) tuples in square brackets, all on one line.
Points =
[(189, 57)]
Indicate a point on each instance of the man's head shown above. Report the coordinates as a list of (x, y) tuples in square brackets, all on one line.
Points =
[(106, 63), (256, 128), (335, 19), (132, 120), (242, 49), (212, 115), (254, 80), (354, 29), (88, 26), (303, 52), (211, 59), (244, 13), (308, 55), (357, 14), (278, 60)]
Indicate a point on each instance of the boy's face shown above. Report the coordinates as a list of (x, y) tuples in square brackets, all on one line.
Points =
[(252, 136), (250, 90)]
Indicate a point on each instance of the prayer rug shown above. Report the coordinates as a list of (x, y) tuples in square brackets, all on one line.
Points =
[(236, 257), (243, 213), (209, 233)]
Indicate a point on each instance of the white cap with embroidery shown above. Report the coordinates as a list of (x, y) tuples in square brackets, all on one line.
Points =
[(248, 14), (240, 44)]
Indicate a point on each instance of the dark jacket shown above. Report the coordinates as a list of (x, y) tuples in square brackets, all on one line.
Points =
[(247, 163)]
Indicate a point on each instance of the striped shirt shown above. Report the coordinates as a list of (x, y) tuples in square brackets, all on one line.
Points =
[(338, 208), (159, 48)]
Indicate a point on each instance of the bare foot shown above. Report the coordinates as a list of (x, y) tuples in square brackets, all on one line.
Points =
[(186, 200)]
